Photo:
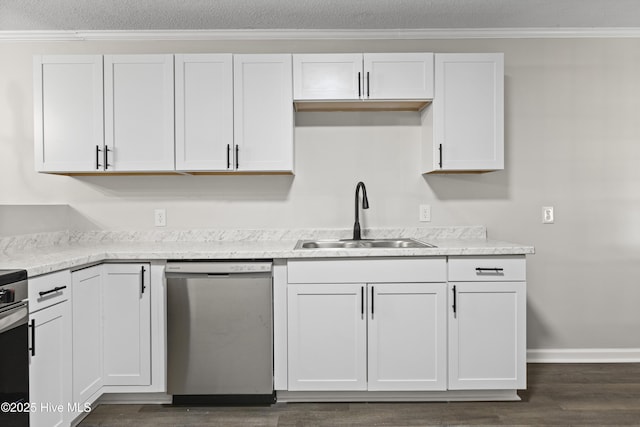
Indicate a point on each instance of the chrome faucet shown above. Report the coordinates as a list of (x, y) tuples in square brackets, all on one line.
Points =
[(365, 205)]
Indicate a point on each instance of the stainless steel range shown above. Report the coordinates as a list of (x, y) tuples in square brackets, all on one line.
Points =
[(14, 348)]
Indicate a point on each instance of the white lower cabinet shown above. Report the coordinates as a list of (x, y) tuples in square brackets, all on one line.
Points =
[(50, 359), (111, 327), (487, 330), (442, 325), (87, 333), (352, 332), (50, 365), (487, 323), (389, 336), (327, 337), (95, 330), (407, 336), (126, 310)]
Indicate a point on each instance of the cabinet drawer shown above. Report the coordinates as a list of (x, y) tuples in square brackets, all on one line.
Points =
[(49, 289), (368, 270), (491, 268)]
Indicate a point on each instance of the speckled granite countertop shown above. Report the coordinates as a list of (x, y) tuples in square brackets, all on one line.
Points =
[(48, 252)]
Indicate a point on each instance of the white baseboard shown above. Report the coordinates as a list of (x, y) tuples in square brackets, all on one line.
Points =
[(398, 396), (584, 355)]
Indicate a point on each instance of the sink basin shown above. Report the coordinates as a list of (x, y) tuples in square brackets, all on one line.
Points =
[(362, 244)]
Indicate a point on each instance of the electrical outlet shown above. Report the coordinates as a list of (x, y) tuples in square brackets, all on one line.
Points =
[(425, 213), (547, 215), (160, 217)]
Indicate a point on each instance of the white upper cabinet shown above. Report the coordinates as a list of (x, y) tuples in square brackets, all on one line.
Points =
[(139, 108), (236, 118), (263, 113), (468, 114), (204, 112), (369, 76), (68, 110), (398, 76), (327, 76)]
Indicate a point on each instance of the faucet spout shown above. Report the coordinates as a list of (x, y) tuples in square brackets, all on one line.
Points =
[(365, 205)]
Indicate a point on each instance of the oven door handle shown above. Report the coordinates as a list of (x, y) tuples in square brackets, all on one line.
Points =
[(14, 317)]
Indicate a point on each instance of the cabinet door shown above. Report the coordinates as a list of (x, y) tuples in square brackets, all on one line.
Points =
[(407, 336), (68, 119), (398, 75), (204, 112), (127, 324), (139, 112), (327, 76), (487, 335), (327, 335), (50, 366), (263, 113), (468, 112), (87, 332)]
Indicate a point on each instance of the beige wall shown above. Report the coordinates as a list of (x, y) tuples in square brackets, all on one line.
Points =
[(572, 131)]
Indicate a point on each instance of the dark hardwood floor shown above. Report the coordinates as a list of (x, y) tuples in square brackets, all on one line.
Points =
[(557, 394)]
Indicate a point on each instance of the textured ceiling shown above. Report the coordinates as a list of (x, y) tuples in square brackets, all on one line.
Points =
[(107, 15)]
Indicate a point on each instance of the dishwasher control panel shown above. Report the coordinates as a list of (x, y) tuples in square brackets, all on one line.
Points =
[(219, 267)]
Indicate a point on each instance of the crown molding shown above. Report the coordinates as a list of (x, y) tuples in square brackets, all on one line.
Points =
[(401, 34)]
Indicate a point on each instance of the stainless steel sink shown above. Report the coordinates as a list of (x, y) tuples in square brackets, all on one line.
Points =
[(362, 244)]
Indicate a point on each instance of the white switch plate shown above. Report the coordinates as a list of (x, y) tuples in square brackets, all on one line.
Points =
[(160, 217), (547, 215), (425, 213)]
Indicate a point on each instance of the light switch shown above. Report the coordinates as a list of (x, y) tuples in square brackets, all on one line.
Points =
[(160, 217), (547, 215)]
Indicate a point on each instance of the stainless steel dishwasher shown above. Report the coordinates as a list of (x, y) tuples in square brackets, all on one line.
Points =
[(220, 332)]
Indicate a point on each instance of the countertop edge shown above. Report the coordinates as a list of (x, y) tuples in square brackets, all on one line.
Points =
[(55, 259)]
